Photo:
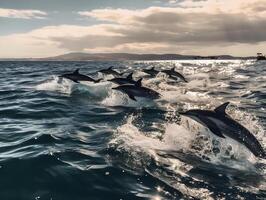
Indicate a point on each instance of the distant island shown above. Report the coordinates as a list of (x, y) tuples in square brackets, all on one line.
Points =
[(125, 56)]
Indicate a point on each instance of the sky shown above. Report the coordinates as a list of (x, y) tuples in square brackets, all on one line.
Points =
[(43, 28)]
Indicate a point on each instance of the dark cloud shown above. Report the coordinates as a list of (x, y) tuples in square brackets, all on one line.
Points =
[(176, 29)]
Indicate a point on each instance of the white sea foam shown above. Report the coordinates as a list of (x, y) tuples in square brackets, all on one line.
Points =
[(188, 136), (116, 98), (65, 86), (194, 94), (57, 84)]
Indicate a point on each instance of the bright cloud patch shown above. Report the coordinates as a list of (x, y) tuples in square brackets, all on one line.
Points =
[(22, 14)]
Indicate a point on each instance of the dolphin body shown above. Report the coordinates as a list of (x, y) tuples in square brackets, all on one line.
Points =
[(223, 125), (137, 90), (174, 74), (152, 72), (76, 77), (124, 81), (110, 71)]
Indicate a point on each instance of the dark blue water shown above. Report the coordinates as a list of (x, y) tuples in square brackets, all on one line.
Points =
[(61, 140)]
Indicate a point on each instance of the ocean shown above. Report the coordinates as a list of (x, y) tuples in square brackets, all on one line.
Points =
[(61, 140)]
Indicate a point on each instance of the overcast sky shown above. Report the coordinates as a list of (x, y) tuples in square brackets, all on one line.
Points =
[(41, 28)]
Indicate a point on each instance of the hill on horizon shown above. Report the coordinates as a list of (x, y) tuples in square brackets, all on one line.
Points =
[(75, 56), (78, 56)]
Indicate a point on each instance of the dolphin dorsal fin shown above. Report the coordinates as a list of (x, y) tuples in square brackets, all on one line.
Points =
[(138, 83), (173, 69), (130, 76), (111, 67), (221, 109), (76, 71)]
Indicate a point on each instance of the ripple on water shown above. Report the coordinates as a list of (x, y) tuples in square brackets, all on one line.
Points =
[(63, 140)]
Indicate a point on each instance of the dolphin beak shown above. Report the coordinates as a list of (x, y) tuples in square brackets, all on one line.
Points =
[(115, 88)]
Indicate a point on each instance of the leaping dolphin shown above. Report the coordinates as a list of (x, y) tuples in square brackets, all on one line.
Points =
[(122, 81), (110, 71), (76, 77), (223, 125), (174, 74), (138, 90), (152, 72)]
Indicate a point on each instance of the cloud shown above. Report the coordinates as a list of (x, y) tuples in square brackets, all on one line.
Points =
[(190, 24), (22, 14), (190, 27), (40, 42)]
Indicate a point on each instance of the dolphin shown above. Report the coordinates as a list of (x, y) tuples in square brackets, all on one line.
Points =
[(174, 74), (152, 72), (221, 124), (124, 81), (76, 77), (110, 71), (137, 90)]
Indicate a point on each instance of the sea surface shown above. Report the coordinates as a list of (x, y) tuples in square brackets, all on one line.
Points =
[(61, 140)]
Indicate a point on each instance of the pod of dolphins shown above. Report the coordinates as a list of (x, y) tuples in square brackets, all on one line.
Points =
[(217, 120)]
